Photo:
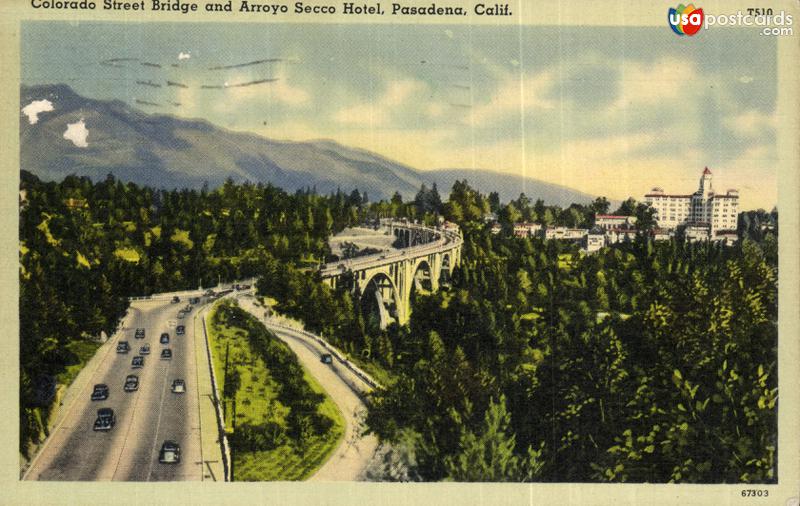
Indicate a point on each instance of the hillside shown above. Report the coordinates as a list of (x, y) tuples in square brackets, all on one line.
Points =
[(168, 152)]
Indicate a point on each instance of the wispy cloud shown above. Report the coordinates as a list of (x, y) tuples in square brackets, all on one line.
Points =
[(751, 123), (398, 94)]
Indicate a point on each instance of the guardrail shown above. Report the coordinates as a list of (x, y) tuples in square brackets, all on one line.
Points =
[(366, 378), (447, 239), (223, 439), (196, 292)]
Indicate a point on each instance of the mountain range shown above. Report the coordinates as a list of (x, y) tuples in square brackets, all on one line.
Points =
[(169, 152)]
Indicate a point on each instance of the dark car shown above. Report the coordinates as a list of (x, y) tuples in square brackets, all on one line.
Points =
[(139, 333), (176, 299), (194, 300), (137, 362), (105, 419), (178, 386), (326, 358), (170, 453), (100, 392), (123, 347), (166, 354), (164, 338), (180, 330), (132, 383), (144, 350)]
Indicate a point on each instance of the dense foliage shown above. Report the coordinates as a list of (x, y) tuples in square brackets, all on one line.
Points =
[(286, 375), (85, 247), (643, 362)]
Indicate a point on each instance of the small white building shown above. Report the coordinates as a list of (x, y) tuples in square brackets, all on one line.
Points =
[(615, 235), (695, 232), (609, 221), (662, 234), (526, 229), (594, 240), (728, 237), (564, 233)]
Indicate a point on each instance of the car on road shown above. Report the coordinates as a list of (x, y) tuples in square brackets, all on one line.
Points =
[(194, 300), (178, 386), (132, 383), (139, 333), (326, 358), (105, 419), (164, 338), (123, 347), (181, 314), (166, 354), (100, 392), (176, 299), (144, 350), (180, 330), (170, 453), (137, 362)]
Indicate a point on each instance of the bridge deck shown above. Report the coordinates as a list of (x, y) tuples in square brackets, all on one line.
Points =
[(446, 240)]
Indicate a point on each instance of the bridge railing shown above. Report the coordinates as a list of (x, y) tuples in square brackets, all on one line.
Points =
[(341, 357), (446, 240)]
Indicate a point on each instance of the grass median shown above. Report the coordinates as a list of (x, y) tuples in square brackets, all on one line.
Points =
[(281, 424)]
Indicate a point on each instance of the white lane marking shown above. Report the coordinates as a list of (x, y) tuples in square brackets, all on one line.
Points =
[(132, 418), (158, 422), (68, 410)]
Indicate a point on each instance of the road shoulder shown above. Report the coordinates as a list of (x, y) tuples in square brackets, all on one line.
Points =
[(354, 453)]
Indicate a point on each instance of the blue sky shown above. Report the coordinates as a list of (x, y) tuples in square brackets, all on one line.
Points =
[(606, 110)]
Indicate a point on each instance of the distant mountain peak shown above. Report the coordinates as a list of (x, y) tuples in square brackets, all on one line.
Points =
[(162, 150)]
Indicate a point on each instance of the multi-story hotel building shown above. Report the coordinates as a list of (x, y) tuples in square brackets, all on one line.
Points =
[(704, 209)]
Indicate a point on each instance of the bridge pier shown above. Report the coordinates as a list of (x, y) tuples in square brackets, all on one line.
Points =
[(434, 251)]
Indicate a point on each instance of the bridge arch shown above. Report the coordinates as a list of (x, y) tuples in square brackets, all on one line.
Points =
[(380, 301), (425, 259), (423, 276)]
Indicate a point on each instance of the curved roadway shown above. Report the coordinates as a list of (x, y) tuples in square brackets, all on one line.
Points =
[(446, 240), (355, 451)]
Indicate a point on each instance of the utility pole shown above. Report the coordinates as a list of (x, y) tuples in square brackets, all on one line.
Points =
[(225, 380), (234, 430)]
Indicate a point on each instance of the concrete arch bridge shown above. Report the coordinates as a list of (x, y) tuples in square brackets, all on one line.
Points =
[(424, 261)]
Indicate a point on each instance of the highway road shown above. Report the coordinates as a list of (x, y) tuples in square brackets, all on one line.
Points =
[(144, 418), (355, 452)]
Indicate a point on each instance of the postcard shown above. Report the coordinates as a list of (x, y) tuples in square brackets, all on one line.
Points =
[(391, 252)]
